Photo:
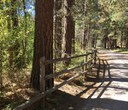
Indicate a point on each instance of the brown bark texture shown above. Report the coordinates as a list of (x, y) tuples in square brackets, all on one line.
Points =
[(69, 28), (58, 28), (43, 41)]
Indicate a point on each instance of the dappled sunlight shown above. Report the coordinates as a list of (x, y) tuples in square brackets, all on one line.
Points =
[(109, 93)]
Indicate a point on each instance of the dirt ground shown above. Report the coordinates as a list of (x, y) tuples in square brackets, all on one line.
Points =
[(108, 93)]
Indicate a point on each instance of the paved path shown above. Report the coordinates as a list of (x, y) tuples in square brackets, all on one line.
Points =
[(112, 92), (108, 94)]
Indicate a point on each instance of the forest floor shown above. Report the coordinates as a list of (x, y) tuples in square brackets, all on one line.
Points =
[(15, 89), (108, 93)]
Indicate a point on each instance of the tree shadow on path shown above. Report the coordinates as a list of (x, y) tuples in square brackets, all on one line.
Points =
[(95, 99)]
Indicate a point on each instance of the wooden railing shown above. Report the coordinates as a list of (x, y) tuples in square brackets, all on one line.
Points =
[(87, 65)]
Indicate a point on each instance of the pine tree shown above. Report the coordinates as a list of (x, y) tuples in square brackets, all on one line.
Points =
[(43, 42)]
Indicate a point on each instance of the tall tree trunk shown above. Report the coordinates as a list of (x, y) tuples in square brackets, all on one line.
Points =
[(84, 41), (85, 37), (114, 40), (93, 41), (58, 28), (43, 41), (73, 36), (106, 40), (69, 28)]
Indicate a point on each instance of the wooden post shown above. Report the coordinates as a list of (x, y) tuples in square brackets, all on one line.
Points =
[(92, 55), (90, 63), (42, 77), (86, 60), (104, 68)]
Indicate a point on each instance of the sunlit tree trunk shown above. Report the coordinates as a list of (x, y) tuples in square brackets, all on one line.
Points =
[(58, 28), (43, 41)]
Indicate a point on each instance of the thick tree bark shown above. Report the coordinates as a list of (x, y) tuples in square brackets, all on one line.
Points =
[(69, 28), (43, 41), (85, 39), (58, 28), (85, 36)]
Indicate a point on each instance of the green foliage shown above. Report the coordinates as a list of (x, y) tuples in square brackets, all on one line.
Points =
[(9, 35), (103, 18)]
